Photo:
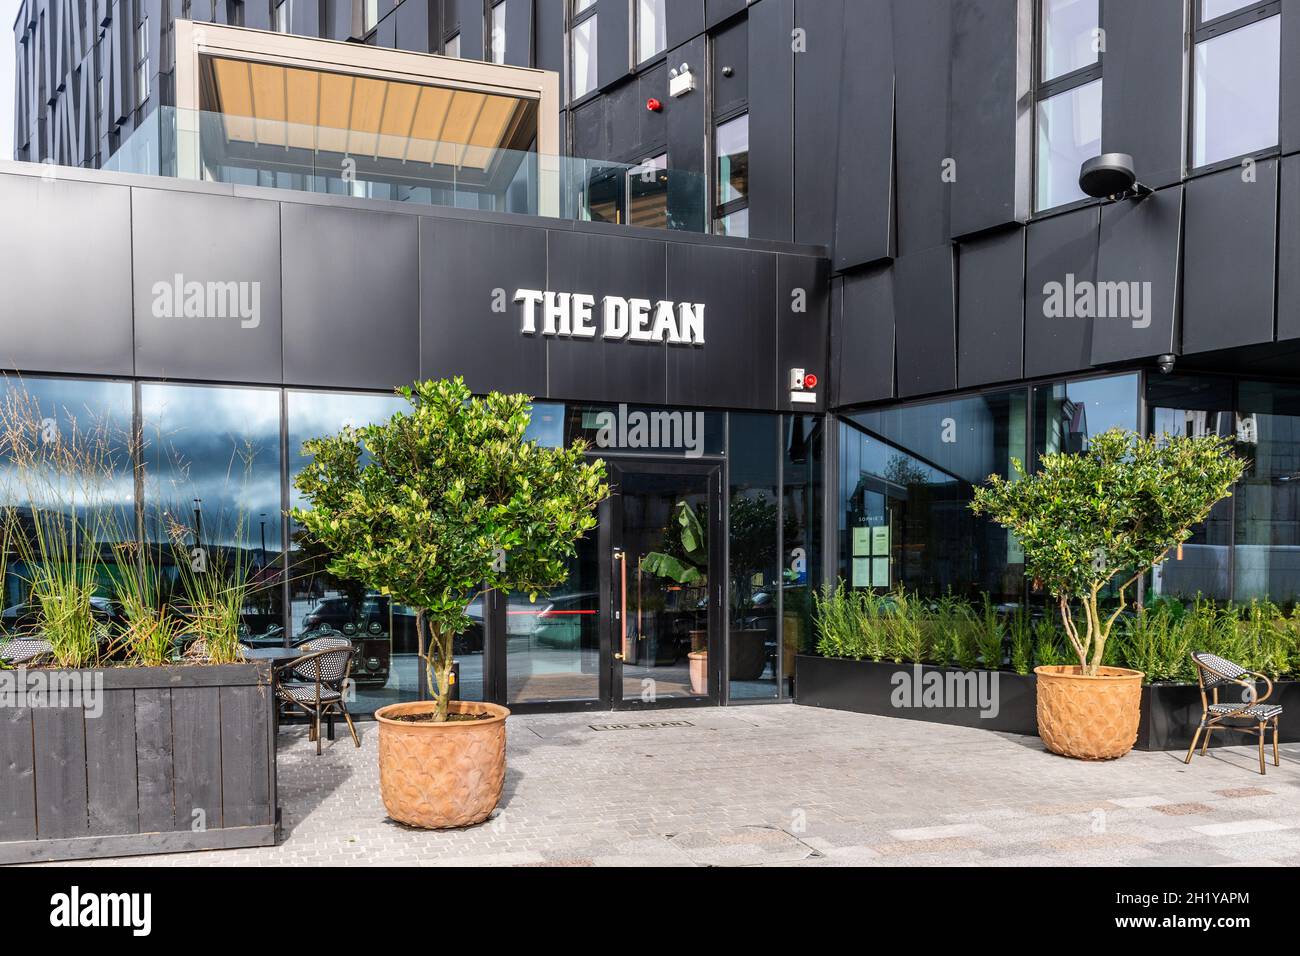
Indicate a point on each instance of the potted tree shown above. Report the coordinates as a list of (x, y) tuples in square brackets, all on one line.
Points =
[(1089, 519), (434, 508)]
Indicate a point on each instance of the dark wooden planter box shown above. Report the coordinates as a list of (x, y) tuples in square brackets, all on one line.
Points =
[(871, 687), (180, 758), (1170, 712)]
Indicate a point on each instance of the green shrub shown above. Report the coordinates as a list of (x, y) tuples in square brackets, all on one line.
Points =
[(1020, 629), (1049, 643)]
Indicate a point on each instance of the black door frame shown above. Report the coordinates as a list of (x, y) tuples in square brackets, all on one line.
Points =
[(611, 538)]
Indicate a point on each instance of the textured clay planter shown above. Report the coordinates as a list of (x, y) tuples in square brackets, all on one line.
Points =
[(699, 671), (1091, 718), (440, 775)]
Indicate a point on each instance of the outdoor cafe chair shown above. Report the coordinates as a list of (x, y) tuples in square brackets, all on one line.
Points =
[(316, 683), (1214, 672)]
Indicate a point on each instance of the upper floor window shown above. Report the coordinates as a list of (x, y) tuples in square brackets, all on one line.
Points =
[(1067, 97), (142, 62), (497, 37), (731, 149), (1235, 79), (651, 29), (582, 49), (280, 20), (452, 46), (369, 15)]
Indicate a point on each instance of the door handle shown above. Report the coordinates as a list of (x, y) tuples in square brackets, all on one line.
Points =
[(621, 557), (618, 656)]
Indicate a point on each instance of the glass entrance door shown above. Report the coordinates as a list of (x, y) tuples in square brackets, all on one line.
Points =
[(666, 571)]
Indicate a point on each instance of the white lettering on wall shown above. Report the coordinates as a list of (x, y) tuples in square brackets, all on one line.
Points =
[(574, 315)]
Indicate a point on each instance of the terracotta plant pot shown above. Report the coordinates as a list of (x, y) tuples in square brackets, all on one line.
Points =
[(699, 671), (1091, 718), (439, 775)]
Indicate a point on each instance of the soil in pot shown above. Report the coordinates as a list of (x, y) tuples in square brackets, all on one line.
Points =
[(441, 774), (1091, 718)]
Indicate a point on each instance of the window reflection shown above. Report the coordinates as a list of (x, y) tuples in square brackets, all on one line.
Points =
[(1236, 92), (1069, 132), (801, 502), (1068, 414), (755, 565)]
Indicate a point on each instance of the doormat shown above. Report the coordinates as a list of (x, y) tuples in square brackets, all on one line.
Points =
[(657, 725)]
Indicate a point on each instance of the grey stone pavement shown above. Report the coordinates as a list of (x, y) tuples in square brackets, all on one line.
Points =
[(785, 784)]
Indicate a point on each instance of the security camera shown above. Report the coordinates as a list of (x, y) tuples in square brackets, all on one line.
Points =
[(1165, 363), (1111, 176)]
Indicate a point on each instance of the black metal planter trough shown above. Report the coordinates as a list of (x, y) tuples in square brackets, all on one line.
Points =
[(140, 760), (1170, 712)]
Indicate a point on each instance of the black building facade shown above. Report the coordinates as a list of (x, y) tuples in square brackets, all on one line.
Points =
[(885, 196)]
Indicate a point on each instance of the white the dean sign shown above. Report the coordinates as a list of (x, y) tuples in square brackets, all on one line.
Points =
[(576, 315)]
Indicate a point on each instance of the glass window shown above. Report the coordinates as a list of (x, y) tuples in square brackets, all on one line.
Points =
[(651, 29), (907, 476), (584, 57), (60, 421), (452, 46), (1069, 132), (801, 506), (385, 666), (142, 64), (281, 24), (1070, 37), (1266, 537), (212, 489), (1068, 414), (755, 577), (1186, 405), (497, 44), (1236, 92), (369, 15), (1212, 9), (580, 5), (731, 146)]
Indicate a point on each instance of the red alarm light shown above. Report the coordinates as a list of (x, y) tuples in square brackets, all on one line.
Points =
[(653, 105), (810, 380)]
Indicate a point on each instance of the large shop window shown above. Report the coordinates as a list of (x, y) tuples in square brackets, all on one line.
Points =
[(61, 419), (906, 477), (1068, 414), (212, 491), (1067, 95), (1235, 80)]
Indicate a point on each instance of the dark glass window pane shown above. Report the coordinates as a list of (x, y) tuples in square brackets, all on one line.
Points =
[(1069, 132), (1266, 560), (1068, 414), (755, 569), (801, 503), (1070, 39), (733, 159)]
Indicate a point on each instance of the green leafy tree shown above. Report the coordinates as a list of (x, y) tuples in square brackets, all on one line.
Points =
[(1114, 510), (447, 501)]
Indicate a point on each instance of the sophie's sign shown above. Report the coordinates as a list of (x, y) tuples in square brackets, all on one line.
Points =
[(576, 315)]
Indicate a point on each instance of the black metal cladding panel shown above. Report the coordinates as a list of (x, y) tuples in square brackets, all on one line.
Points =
[(519, 32), (802, 311), (206, 239), (550, 35), (257, 14), (386, 34), (1138, 256), (470, 13), (816, 119), (736, 367), (1288, 273), (864, 227), (601, 265), (1289, 126), (686, 126), (613, 45), (862, 336), (1142, 90), (351, 297), (463, 264), (413, 32), (926, 310), (922, 31), (1231, 256), (731, 51), (623, 109), (653, 127), (982, 114), (771, 120), (306, 19), (65, 272), (340, 21), (1056, 249), (684, 20), (590, 137), (715, 11), (991, 309)]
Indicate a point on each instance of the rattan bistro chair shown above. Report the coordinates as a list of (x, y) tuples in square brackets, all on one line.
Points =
[(24, 651), (317, 686), (1214, 672)]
